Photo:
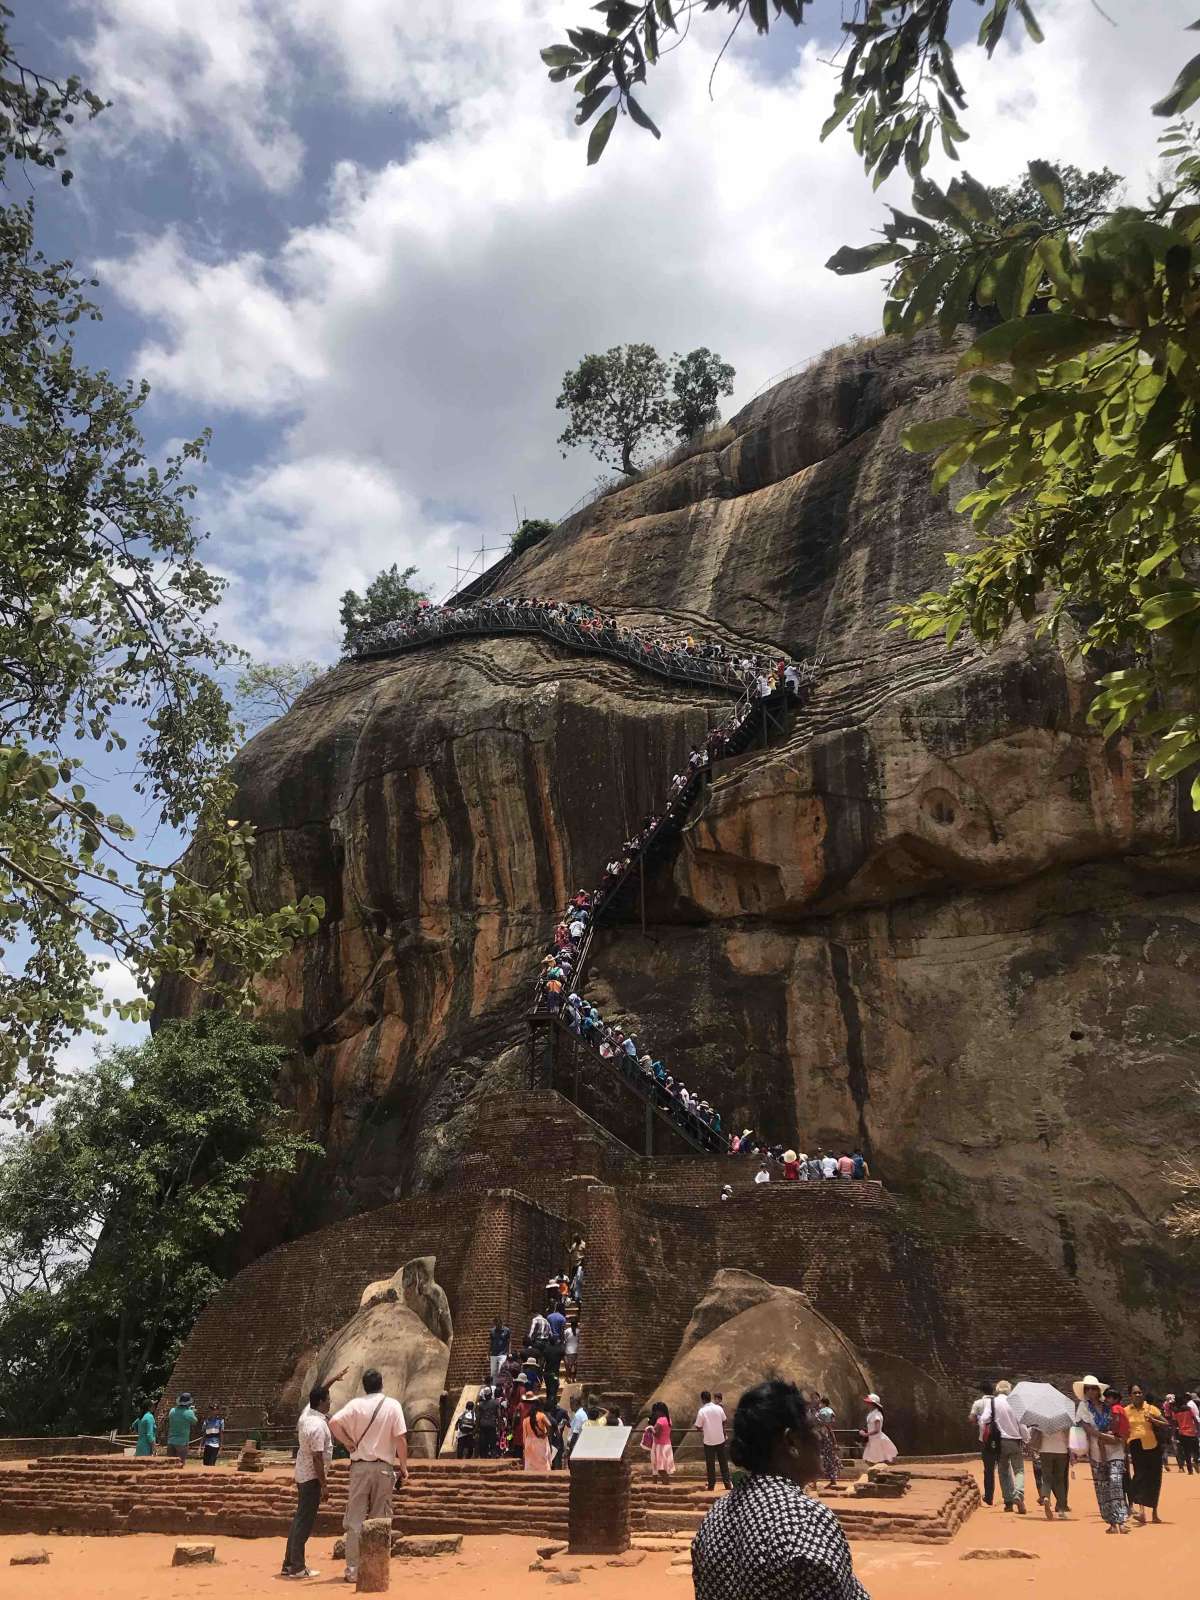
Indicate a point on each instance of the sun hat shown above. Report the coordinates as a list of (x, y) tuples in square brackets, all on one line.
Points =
[(872, 1399), (1090, 1382), (1004, 1387), (790, 1155)]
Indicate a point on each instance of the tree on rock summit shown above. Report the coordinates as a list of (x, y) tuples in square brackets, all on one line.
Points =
[(630, 399)]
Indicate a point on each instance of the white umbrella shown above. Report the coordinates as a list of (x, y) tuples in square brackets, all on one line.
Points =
[(1042, 1406)]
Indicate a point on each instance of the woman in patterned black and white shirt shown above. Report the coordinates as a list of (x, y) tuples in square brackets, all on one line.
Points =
[(766, 1539)]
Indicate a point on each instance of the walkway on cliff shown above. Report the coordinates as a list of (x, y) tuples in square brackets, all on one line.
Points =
[(766, 685)]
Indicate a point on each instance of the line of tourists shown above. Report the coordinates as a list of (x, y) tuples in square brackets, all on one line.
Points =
[(556, 989), (1126, 1439), (681, 654)]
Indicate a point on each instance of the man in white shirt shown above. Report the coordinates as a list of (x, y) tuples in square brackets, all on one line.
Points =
[(1013, 1436), (373, 1430), (829, 1166), (763, 1175), (312, 1459), (710, 1419)]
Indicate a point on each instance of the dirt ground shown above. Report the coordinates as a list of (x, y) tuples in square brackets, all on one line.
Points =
[(1150, 1559)]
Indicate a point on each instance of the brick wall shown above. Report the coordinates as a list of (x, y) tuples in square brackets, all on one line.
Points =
[(656, 1231)]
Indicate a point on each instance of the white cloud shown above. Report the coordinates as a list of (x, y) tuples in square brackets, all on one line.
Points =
[(184, 71), (409, 345), (293, 537)]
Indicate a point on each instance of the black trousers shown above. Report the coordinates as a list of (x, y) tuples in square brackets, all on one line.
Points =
[(487, 1443), (1189, 1452), (466, 1447), (989, 1476), (308, 1498), (717, 1455), (1146, 1462)]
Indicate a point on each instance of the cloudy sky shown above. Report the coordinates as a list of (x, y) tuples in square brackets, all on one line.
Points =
[(358, 239)]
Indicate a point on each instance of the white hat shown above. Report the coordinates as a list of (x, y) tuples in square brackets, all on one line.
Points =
[(1004, 1387), (873, 1399), (1090, 1382)]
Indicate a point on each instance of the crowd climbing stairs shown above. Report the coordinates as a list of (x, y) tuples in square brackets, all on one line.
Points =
[(653, 646)]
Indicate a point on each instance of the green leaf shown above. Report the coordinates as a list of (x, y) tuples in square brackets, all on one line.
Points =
[(599, 136), (1048, 184), (1025, 11), (847, 261), (1036, 340), (841, 108), (1184, 90), (935, 435), (640, 117), (591, 103), (561, 55), (1163, 609)]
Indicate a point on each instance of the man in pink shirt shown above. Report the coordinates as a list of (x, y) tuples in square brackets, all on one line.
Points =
[(373, 1430)]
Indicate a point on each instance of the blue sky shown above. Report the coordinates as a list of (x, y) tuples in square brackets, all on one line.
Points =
[(358, 239)]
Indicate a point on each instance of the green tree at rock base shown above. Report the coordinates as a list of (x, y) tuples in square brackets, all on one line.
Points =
[(113, 1213)]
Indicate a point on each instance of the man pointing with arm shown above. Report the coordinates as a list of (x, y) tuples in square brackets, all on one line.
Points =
[(373, 1430)]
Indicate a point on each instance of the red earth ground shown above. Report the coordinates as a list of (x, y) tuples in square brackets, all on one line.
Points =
[(1070, 1558)]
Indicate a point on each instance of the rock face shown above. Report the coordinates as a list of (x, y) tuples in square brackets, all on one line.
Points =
[(940, 916)]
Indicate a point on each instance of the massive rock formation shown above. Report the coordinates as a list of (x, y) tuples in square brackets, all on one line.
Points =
[(940, 916)]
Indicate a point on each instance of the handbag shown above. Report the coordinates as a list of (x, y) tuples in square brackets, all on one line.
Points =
[(648, 1439), (989, 1434)]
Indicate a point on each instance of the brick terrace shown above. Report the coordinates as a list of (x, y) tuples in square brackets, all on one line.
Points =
[(656, 1233)]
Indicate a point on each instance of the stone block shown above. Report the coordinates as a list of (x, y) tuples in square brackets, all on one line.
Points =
[(999, 1555), (548, 1551), (30, 1558), (629, 1558), (193, 1555), (564, 1577), (339, 1550), (375, 1556), (427, 1544)]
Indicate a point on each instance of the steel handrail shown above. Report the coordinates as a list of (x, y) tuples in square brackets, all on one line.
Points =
[(649, 1097)]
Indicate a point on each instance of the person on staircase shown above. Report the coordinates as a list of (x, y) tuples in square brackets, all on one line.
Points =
[(487, 1417), (499, 1344), (466, 1433)]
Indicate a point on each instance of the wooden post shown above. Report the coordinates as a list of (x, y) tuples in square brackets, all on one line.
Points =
[(375, 1556)]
